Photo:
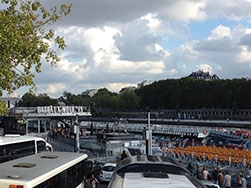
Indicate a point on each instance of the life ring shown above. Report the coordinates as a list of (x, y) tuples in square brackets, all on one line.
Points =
[(205, 131)]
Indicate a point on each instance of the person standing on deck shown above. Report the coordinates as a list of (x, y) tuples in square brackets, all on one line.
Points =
[(123, 155), (220, 179), (227, 180)]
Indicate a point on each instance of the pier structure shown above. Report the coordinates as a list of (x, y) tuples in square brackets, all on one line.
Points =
[(39, 120)]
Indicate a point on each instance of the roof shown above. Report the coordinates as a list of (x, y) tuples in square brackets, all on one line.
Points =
[(42, 165), (17, 138), (110, 164), (152, 171), (135, 180), (146, 159)]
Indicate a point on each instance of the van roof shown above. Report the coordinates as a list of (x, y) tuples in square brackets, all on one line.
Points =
[(34, 166), (4, 140)]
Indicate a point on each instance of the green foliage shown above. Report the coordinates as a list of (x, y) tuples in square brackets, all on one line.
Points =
[(77, 100), (188, 93), (3, 108), (185, 93), (105, 99), (31, 100), (128, 100), (24, 41)]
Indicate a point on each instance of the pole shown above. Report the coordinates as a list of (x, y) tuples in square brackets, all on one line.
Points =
[(27, 127), (149, 136), (76, 131)]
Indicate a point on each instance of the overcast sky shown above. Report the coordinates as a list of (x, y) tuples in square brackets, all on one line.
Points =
[(119, 43)]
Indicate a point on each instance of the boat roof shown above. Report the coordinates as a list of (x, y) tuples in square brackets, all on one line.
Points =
[(135, 180), (152, 171), (146, 159), (38, 165), (10, 139)]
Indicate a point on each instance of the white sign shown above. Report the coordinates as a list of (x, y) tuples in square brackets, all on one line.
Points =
[(62, 109)]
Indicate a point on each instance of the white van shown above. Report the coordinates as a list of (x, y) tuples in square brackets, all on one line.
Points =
[(16, 146)]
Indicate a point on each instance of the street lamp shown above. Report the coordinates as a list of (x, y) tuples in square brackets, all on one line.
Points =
[(149, 134)]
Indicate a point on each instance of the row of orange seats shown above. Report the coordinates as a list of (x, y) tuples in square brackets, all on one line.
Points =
[(210, 153)]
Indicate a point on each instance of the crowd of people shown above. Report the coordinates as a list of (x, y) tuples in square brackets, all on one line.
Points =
[(224, 180), (65, 132)]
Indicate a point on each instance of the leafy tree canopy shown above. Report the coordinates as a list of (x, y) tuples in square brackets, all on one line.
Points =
[(31, 100), (24, 41)]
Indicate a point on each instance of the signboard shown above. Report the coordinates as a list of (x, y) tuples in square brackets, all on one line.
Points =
[(62, 109)]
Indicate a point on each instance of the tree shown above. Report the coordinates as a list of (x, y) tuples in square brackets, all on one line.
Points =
[(128, 100), (105, 100), (31, 100), (24, 42)]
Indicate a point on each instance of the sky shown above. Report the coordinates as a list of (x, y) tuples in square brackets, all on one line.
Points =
[(119, 43)]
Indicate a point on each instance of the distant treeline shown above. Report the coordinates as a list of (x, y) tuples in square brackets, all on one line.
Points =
[(184, 93), (188, 93)]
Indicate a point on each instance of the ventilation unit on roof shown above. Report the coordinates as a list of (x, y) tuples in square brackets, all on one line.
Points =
[(49, 157), (155, 175), (14, 176), (24, 165)]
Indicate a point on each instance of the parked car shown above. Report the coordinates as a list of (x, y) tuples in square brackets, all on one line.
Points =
[(210, 184), (106, 171)]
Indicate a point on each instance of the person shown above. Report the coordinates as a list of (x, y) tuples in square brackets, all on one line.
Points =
[(227, 180), (215, 175), (190, 167), (87, 184), (198, 171), (220, 179), (123, 155), (93, 181), (205, 174), (238, 179), (243, 182)]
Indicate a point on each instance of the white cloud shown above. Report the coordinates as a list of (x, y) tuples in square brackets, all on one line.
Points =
[(230, 9), (98, 57), (116, 87), (225, 51), (152, 20), (118, 43), (245, 55), (188, 51), (54, 88), (205, 68), (173, 72), (79, 69), (144, 67), (185, 10), (220, 32)]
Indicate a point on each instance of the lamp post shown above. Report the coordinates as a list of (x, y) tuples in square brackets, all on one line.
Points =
[(148, 135), (76, 132)]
